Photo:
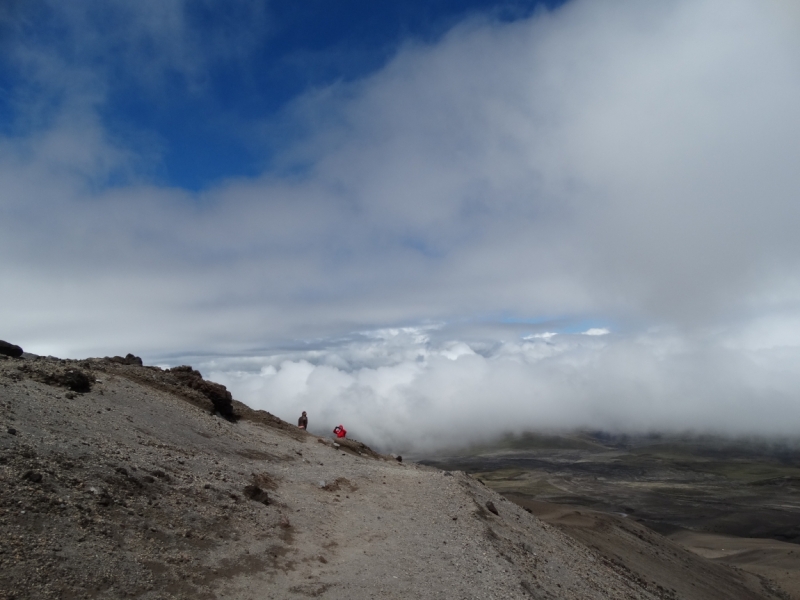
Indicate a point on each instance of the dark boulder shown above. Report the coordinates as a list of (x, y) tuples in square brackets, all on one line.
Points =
[(72, 379), (133, 360), (11, 350), (75, 380), (219, 395), (33, 477)]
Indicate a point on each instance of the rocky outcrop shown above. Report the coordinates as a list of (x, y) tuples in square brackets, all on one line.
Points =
[(58, 373), (11, 350), (73, 379), (219, 395), (129, 359)]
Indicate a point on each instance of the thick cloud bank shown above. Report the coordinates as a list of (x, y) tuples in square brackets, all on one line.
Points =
[(621, 164), (413, 390)]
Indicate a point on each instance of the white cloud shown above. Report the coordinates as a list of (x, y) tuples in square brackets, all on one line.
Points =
[(634, 162), (541, 336), (659, 381), (597, 331)]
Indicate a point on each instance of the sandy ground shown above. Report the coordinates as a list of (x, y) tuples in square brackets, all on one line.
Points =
[(651, 557), (774, 560), (135, 489)]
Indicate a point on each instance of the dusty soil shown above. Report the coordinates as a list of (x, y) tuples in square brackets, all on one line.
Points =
[(771, 560), (668, 564), (118, 481)]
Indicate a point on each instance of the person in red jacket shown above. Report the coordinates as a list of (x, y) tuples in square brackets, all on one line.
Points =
[(340, 431)]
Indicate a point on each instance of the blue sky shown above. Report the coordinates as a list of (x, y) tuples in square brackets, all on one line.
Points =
[(250, 60), (571, 214)]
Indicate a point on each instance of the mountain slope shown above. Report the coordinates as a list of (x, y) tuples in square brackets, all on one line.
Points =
[(134, 488)]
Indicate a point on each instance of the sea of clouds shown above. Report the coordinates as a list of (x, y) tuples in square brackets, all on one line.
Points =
[(412, 390)]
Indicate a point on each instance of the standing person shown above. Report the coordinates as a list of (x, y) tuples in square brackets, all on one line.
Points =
[(302, 422)]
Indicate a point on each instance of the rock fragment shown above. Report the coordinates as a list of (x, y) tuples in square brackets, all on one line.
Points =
[(73, 379), (256, 494), (32, 476), (130, 359)]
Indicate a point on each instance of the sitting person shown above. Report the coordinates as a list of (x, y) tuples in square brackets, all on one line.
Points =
[(302, 422), (339, 431)]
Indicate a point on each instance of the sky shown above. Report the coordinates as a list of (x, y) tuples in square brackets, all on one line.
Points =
[(433, 222)]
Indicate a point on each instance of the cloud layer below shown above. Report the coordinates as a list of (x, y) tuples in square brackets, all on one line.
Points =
[(412, 390)]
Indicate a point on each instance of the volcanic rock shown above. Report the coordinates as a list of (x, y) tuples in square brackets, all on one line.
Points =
[(256, 494), (11, 350), (219, 395)]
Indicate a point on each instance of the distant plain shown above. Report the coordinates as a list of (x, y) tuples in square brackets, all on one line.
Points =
[(731, 501)]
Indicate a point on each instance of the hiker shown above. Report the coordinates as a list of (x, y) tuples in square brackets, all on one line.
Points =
[(339, 431), (302, 422)]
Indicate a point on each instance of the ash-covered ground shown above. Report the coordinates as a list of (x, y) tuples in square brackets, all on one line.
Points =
[(119, 480)]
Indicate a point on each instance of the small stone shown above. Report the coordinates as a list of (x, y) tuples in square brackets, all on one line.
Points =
[(32, 476), (12, 431), (492, 508), (256, 494)]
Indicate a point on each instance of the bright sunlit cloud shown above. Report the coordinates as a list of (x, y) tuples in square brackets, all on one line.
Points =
[(437, 232)]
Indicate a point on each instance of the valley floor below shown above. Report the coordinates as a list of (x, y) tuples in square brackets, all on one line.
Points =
[(638, 500)]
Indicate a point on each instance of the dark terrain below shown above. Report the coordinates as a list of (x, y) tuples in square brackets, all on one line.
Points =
[(735, 502)]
